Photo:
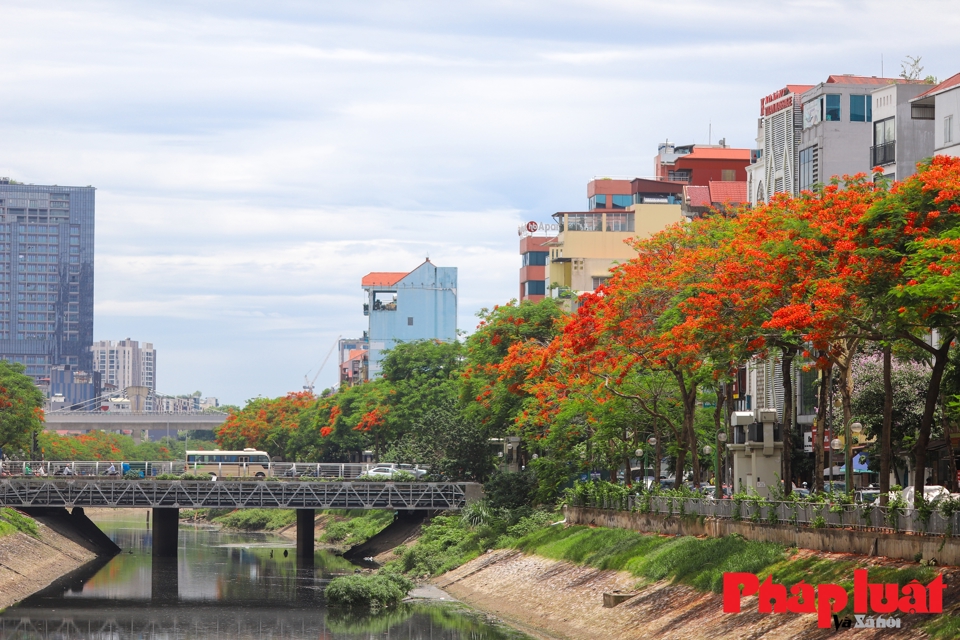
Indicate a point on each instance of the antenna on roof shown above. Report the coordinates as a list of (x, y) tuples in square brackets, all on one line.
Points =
[(710, 133)]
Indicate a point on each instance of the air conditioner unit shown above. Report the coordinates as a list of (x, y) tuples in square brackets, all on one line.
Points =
[(742, 418)]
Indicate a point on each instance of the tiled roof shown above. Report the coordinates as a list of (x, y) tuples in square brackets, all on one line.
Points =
[(728, 192), (949, 83), (842, 79), (382, 278), (799, 88), (710, 153), (697, 196), (356, 353)]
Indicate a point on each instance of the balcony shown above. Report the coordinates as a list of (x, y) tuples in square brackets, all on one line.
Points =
[(883, 154)]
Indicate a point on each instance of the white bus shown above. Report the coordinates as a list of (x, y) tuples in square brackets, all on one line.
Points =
[(245, 463)]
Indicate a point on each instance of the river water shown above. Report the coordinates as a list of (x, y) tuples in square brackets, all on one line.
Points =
[(223, 585)]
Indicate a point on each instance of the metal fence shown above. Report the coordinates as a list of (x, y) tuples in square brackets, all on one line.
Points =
[(832, 515), (103, 492), (148, 469)]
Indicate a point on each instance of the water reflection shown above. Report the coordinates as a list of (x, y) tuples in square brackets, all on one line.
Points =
[(222, 585)]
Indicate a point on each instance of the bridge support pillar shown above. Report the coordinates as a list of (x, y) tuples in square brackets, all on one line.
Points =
[(305, 520), (164, 580), (166, 523)]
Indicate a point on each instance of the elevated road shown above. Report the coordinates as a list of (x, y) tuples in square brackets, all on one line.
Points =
[(136, 422), (232, 494)]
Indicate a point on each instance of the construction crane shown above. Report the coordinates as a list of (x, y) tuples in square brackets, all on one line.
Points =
[(308, 383)]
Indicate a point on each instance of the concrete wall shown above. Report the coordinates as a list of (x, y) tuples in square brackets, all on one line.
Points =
[(948, 103), (868, 543)]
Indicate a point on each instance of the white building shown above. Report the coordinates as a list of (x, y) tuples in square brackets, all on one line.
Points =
[(778, 137), (942, 104), (125, 363), (902, 134)]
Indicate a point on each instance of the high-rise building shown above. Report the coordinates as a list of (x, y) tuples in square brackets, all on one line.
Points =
[(46, 276), (404, 307), (125, 363)]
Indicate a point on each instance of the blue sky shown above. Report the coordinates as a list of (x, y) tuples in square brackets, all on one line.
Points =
[(254, 160)]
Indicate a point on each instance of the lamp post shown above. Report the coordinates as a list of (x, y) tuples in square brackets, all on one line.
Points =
[(707, 450), (718, 481), (640, 453), (856, 427), (652, 441), (835, 445)]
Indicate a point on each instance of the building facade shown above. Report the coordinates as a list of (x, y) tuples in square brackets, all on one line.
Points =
[(773, 167), (405, 307), (699, 164), (941, 104), (46, 276), (902, 135), (352, 360), (590, 243), (838, 129), (73, 389), (534, 254), (126, 363)]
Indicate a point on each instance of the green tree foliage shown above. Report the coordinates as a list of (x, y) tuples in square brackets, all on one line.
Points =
[(21, 408)]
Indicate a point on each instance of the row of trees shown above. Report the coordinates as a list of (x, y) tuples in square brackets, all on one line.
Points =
[(856, 274)]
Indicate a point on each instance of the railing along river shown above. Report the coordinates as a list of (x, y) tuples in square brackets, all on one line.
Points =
[(345, 470), (933, 520)]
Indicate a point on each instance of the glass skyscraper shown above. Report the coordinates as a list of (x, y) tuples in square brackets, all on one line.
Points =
[(46, 276)]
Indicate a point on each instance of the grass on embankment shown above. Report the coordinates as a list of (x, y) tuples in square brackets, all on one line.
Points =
[(12, 521), (257, 519), (354, 527), (701, 562)]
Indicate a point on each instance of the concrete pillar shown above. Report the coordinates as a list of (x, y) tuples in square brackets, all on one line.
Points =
[(166, 523), (305, 519)]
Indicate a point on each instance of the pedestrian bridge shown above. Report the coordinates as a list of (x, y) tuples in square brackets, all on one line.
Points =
[(234, 494), (167, 497)]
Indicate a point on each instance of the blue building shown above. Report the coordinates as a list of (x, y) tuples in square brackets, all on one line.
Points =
[(46, 276), (405, 307), (73, 389)]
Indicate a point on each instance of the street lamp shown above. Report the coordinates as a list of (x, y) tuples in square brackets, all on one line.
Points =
[(655, 467), (835, 445), (643, 465), (856, 427), (717, 480)]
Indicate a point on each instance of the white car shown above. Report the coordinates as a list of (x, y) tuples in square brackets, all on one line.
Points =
[(389, 472)]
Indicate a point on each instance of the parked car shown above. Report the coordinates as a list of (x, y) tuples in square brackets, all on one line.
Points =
[(388, 473), (866, 496)]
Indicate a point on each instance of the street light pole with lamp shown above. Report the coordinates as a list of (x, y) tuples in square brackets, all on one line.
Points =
[(718, 480), (652, 441), (835, 445), (856, 428), (707, 450)]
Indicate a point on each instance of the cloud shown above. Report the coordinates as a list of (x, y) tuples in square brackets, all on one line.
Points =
[(254, 160)]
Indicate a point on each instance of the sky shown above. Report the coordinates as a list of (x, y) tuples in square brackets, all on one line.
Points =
[(254, 160)]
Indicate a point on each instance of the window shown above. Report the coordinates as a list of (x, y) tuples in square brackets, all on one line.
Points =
[(831, 107), (599, 280), (728, 175), (947, 129), (409, 321), (597, 202), (861, 109), (584, 222), (884, 139), (535, 288), (535, 258), (808, 168), (622, 202), (619, 222)]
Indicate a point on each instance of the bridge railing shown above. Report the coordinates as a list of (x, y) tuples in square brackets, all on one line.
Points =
[(149, 469)]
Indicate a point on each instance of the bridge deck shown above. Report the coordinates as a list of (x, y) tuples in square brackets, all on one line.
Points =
[(116, 493)]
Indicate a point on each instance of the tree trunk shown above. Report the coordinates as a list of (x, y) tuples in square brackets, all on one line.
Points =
[(886, 447), (929, 409), (787, 371)]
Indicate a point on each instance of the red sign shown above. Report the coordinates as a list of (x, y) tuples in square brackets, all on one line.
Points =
[(532, 226), (828, 599)]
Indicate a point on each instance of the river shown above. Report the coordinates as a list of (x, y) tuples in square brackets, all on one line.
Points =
[(222, 585)]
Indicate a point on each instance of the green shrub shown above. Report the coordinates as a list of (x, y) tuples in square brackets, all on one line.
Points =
[(375, 591), (360, 526), (258, 519)]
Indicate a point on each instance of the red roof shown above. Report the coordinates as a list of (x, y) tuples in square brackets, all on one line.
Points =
[(950, 82), (711, 153), (356, 353), (799, 88), (728, 192), (382, 278), (843, 79), (697, 196)]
